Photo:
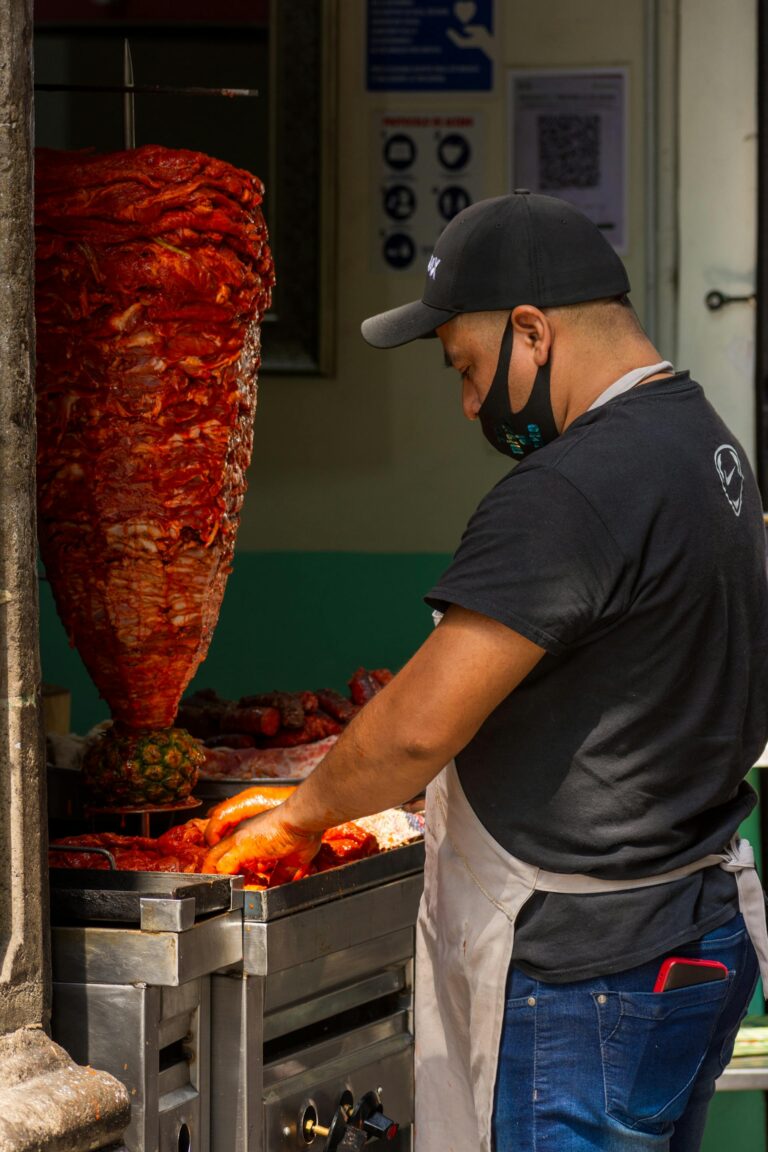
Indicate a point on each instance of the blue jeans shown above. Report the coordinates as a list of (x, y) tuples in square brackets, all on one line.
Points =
[(607, 1065)]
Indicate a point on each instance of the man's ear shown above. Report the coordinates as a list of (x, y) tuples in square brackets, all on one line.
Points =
[(534, 329)]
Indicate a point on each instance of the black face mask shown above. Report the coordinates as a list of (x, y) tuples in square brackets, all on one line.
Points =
[(517, 434)]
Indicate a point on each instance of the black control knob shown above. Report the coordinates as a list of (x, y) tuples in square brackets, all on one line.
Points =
[(368, 1114), (350, 1128), (380, 1127)]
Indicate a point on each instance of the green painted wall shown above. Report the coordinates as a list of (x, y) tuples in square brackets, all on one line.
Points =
[(289, 620), (736, 1123)]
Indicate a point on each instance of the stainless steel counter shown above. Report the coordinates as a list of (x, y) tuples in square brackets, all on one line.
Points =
[(234, 1026)]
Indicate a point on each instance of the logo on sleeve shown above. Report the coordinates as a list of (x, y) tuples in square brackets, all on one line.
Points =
[(432, 266), (731, 476)]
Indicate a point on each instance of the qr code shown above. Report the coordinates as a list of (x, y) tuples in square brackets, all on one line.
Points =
[(569, 151)]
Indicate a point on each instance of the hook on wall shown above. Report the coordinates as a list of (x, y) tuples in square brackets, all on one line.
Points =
[(715, 300)]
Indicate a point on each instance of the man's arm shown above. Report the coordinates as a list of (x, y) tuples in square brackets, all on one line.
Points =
[(399, 741)]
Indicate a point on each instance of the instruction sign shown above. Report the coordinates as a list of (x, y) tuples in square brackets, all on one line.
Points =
[(569, 139), (427, 167), (416, 46)]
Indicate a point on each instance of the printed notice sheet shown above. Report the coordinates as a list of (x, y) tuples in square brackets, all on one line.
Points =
[(568, 138)]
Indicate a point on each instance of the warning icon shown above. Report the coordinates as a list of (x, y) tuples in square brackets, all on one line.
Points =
[(399, 151), (399, 250), (454, 151), (399, 201), (452, 200)]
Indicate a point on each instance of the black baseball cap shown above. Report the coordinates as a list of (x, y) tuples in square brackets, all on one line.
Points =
[(518, 249)]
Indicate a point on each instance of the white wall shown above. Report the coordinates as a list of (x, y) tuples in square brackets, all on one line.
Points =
[(717, 202), (379, 457)]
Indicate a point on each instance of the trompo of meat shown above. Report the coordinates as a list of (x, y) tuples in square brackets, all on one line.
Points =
[(153, 273)]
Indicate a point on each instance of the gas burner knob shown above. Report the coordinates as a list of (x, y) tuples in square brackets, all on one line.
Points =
[(338, 1136), (351, 1128), (380, 1127), (369, 1116)]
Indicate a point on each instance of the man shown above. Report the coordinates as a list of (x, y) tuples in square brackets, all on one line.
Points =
[(600, 675)]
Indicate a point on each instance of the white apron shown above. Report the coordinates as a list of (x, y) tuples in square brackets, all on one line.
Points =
[(473, 892)]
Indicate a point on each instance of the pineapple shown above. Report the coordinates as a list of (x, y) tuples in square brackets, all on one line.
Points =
[(126, 767)]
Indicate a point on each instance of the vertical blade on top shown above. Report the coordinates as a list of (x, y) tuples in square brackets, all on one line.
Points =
[(129, 111)]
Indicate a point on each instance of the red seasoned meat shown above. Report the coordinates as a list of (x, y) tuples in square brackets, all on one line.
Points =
[(254, 719), (316, 727), (289, 705), (335, 705), (184, 847), (364, 684), (153, 273)]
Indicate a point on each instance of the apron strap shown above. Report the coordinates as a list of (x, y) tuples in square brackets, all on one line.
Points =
[(582, 885), (740, 859)]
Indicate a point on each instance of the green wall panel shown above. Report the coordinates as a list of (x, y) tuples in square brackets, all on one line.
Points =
[(736, 1123), (289, 620)]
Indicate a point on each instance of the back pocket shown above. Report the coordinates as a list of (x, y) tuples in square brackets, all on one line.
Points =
[(653, 1044)]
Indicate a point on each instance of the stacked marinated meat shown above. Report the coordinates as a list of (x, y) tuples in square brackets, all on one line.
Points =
[(153, 273), (274, 735), (277, 719)]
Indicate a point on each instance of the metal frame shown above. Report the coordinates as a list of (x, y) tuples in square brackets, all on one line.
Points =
[(298, 333)]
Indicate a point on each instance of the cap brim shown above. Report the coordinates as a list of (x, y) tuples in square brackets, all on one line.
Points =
[(401, 325)]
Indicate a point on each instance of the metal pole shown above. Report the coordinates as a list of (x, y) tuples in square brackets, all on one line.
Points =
[(651, 143), (129, 109)]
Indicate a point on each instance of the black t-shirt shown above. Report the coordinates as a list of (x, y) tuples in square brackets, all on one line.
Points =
[(631, 549)]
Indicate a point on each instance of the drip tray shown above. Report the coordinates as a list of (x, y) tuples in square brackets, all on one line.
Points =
[(90, 895)]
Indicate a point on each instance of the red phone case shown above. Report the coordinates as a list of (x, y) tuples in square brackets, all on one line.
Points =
[(683, 972)]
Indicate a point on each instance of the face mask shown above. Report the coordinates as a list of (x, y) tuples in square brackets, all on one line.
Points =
[(517, 434)]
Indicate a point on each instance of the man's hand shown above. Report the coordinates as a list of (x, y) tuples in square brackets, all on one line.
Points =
[(265, 837), (225, 817)]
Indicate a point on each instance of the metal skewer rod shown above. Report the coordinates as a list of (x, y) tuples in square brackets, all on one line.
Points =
[(148, 89), (129, 109)]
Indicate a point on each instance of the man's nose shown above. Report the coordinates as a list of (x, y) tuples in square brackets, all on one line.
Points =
[(469, 402)]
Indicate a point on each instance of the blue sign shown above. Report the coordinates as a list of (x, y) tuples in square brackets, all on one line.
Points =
[(416, 46)]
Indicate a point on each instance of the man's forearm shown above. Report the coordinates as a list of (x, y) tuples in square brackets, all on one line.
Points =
[(424, 717), (395, 746), (371, 768)]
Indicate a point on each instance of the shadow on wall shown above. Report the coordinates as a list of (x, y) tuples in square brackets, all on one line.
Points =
[(290, 620)]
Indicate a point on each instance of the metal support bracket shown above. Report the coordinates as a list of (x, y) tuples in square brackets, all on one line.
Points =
[(237, 895), (162, 915)]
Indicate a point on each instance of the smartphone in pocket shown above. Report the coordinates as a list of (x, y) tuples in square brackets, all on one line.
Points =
[(683, 972)]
